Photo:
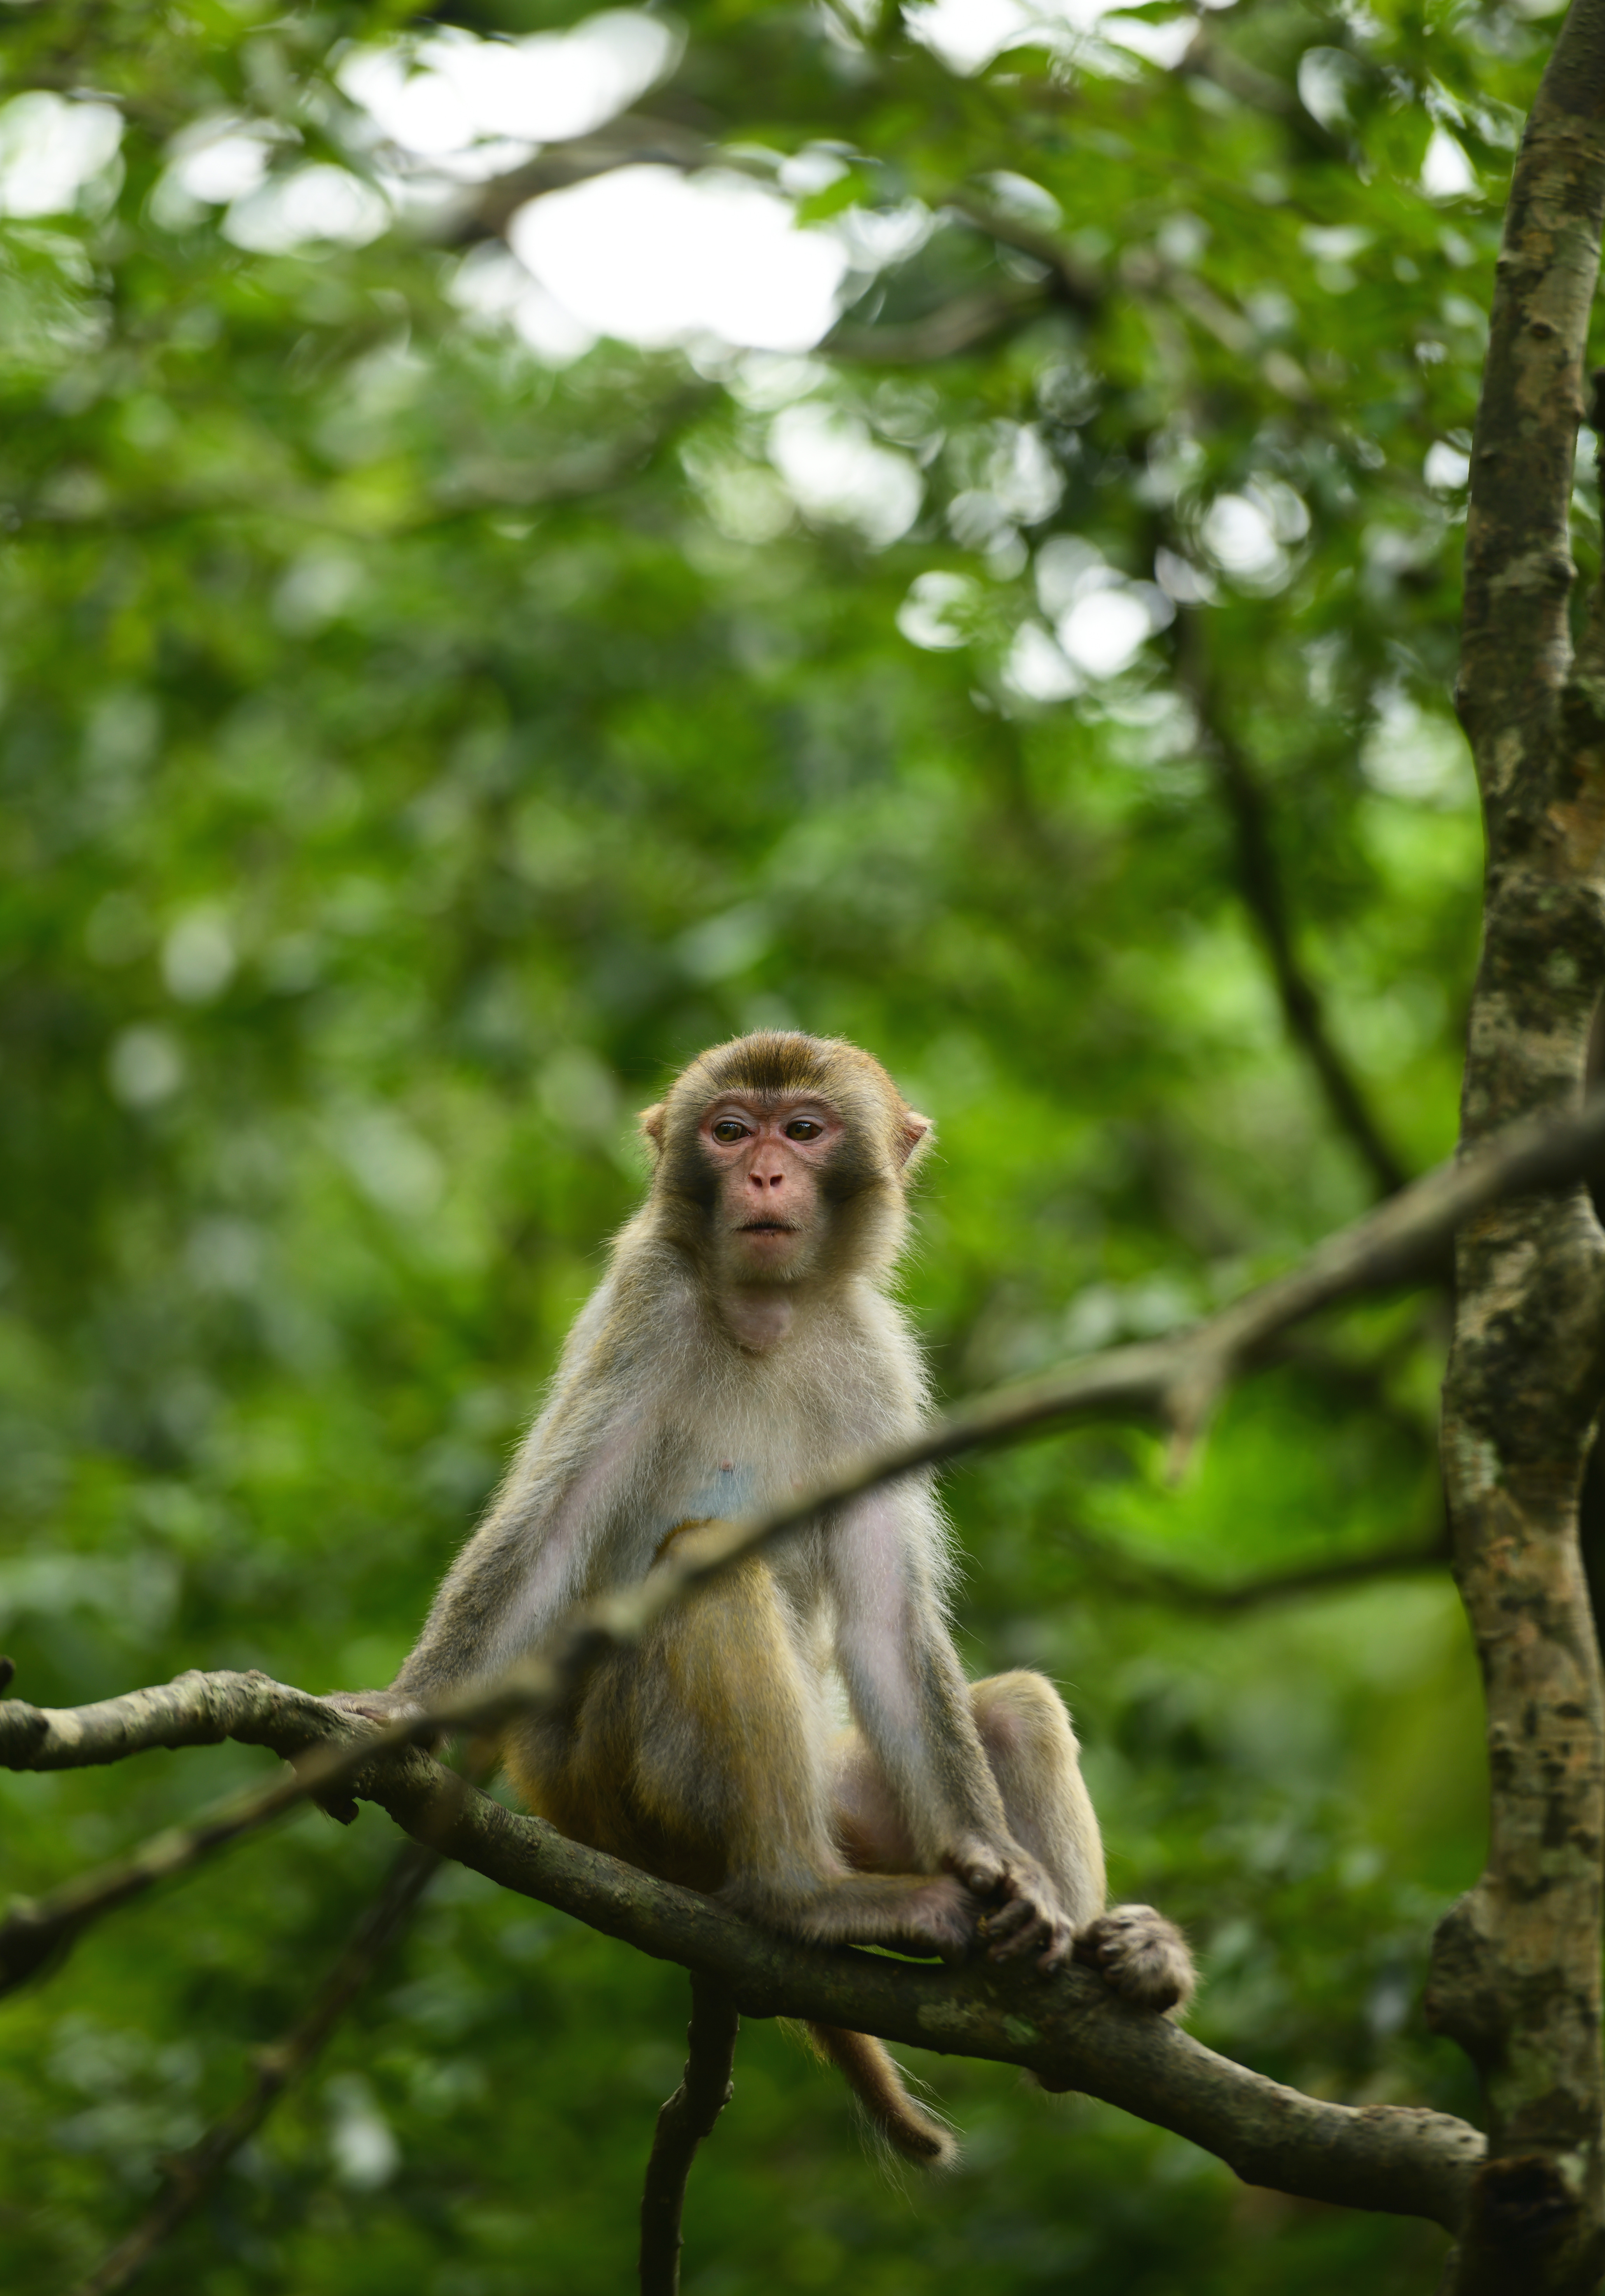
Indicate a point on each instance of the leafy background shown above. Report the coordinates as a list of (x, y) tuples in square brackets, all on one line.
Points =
[(414, 745)]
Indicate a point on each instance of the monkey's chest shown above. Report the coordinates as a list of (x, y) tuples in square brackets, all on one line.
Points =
[(718, 1487)]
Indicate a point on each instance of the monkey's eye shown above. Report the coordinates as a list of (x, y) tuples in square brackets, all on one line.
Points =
[(803, 1127), (729, 1128)]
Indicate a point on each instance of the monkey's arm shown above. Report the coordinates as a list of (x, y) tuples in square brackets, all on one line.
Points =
[(524, 1564), (514, 1569), (530, 1555), (912, 1702)]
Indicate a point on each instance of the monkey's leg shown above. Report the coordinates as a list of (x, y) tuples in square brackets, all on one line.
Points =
[(727, 1750), (1026, 1730), (1031, 1746), (694, 1756), (1027, 1736), (1036, 1760), (730, 1749)]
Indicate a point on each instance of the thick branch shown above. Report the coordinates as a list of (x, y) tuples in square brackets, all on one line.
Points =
[(1176, 1380), (686, 2118), (1068, 2026)]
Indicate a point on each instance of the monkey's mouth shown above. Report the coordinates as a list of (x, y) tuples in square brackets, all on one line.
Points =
[(766, 1227)]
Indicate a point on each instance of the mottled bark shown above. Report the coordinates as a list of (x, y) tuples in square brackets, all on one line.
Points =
[(1516, 1968)]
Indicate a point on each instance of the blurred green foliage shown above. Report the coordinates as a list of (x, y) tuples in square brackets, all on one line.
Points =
[(412, 749)]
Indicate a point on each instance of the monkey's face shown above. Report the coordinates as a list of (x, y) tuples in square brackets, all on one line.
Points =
[(769, 1153)]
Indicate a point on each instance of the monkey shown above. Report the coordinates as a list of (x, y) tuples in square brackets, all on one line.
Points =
[(797, 1739)]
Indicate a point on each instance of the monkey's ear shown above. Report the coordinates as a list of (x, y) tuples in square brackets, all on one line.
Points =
[(914, 1137), (650, 1120)]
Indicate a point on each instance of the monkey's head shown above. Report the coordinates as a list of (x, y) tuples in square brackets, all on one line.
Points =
[(781, 1157)]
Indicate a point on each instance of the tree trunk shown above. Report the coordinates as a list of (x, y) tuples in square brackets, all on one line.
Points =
[(1516, 1964)]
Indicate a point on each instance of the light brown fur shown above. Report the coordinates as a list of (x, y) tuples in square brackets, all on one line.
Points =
[(742, 1345)]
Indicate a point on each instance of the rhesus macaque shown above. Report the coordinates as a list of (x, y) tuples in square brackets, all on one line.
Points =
[(742, 1345)]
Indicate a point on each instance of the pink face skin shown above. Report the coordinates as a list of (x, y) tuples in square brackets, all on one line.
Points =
[(769, 1153)]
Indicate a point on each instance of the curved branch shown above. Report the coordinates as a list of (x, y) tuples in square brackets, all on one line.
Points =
[(1176, 1380), (1067, 2028), (685, 2120)]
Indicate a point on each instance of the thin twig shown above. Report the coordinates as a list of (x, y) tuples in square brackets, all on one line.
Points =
[(1073, 283), (685, 2120), (1176, 1380), (1209, 58), (1126, 1576), (191, 2175), (1259, 880), (957, 325), (35, 1930)]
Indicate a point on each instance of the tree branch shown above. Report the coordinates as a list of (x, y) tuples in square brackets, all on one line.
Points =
[(1210, 57), (1127, 1575), (1067, 2027), (952, 327), (195, 1710), (1176, 1380), (1260, 883), (633, 140), (686, 2118), (190, 2175), (1076, 286)]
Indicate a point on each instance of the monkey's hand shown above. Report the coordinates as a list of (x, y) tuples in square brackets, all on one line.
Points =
[(382, 1708), (1023, 1913), (378, 1710)]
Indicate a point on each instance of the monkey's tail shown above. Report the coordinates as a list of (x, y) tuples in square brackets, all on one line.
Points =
[(878, 2086)]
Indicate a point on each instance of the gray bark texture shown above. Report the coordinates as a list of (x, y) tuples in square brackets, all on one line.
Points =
[(1516, 1964)]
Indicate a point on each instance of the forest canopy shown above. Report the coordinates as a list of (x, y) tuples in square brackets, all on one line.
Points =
[(534, 541)]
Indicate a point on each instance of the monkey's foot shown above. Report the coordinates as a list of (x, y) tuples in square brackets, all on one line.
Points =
[(1140, 1955), (912, 1913)]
